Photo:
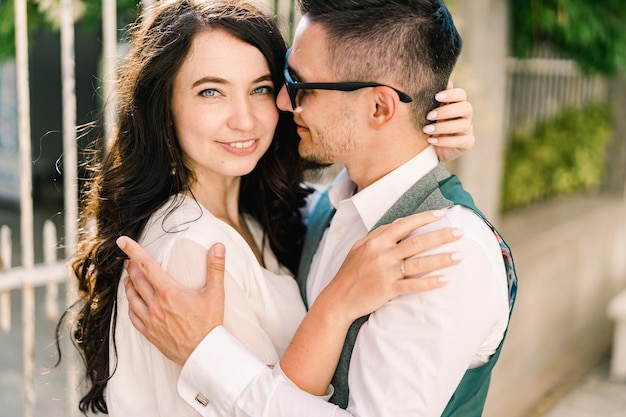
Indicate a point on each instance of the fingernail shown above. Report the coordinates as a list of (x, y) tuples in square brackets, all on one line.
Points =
[(126, 263), (219, 250), (443, 279), (432, 115), (441, 96), (457, 232), (121, 242), (428, 129), (432, 141), (437, 213), (125, 281), (456, 256)]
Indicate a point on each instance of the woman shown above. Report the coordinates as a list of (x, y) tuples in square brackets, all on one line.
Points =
[(201, 155)]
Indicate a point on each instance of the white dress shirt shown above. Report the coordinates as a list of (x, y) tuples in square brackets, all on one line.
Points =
[(410, 355), (262, 307)]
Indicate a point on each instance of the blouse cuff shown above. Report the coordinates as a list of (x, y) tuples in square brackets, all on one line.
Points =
[(216, 373)]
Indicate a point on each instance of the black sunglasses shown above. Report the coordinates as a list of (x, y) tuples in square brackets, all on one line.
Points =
[(294, 86)]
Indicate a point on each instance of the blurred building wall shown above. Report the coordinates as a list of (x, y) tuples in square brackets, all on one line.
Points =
[(481, 71), (570, 258), (570, 253)]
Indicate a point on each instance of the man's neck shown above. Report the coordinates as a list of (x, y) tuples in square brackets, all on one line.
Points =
[(383, 159)]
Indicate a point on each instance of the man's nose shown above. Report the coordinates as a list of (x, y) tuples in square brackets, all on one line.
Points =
[(282, 100)]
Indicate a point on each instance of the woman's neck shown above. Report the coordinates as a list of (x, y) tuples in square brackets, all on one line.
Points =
[(221, 198)]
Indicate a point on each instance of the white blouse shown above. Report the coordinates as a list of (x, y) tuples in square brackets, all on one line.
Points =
[(263, 307)]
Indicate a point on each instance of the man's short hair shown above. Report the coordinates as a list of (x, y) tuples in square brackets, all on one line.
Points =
[(411, 45)]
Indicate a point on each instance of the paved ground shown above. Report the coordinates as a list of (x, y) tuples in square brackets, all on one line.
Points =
[(594, 396), (50, 384)]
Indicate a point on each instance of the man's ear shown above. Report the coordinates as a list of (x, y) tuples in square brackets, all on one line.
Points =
[(386, 102)]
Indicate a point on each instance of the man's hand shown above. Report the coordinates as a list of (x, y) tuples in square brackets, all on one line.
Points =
[(452, 134), (171, 317)]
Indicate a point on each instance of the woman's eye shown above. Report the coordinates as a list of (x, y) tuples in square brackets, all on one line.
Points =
[(266, 89), (209, 92)]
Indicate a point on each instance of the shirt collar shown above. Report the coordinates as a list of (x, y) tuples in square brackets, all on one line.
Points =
[(341, 188), (375, 200)]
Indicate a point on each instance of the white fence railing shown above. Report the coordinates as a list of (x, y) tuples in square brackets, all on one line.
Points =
[(48, 274), (27, 276), (541, 88), (53, 271)]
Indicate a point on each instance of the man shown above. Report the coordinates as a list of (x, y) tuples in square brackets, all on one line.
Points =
[(424, 354)]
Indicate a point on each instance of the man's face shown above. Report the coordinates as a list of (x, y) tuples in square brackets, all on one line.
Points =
[(326, 121)]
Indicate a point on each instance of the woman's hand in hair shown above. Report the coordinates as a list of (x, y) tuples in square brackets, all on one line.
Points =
[(452, 134)]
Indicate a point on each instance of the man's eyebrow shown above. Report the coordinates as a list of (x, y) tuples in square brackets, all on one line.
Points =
[(294, 74)]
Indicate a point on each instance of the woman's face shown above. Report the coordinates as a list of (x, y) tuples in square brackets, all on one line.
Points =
[(223, 106)]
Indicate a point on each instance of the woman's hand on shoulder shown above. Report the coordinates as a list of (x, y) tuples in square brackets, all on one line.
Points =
[(385, 264)]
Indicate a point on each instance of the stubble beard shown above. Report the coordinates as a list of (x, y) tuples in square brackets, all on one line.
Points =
[(332, 142)]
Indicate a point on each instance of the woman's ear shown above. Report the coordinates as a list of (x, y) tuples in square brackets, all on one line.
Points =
[(386, 103)]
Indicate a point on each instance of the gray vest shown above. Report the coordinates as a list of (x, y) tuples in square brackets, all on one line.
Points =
[(436, 190)]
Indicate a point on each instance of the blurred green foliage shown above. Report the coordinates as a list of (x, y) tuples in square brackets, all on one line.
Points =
[(558, 157), (7, 26), (126, 13), (593, 33)]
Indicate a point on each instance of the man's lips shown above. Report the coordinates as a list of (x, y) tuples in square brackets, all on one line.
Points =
[(301, 128)]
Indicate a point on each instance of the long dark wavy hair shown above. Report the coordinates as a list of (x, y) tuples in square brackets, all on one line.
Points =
[(144, 166)]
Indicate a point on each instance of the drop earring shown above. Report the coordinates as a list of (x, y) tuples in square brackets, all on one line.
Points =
[(169, 148)]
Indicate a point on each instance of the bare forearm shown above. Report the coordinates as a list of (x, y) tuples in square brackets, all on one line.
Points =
[(311, 357)]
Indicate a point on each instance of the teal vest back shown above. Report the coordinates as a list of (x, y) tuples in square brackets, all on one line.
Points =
[(437, 190)]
